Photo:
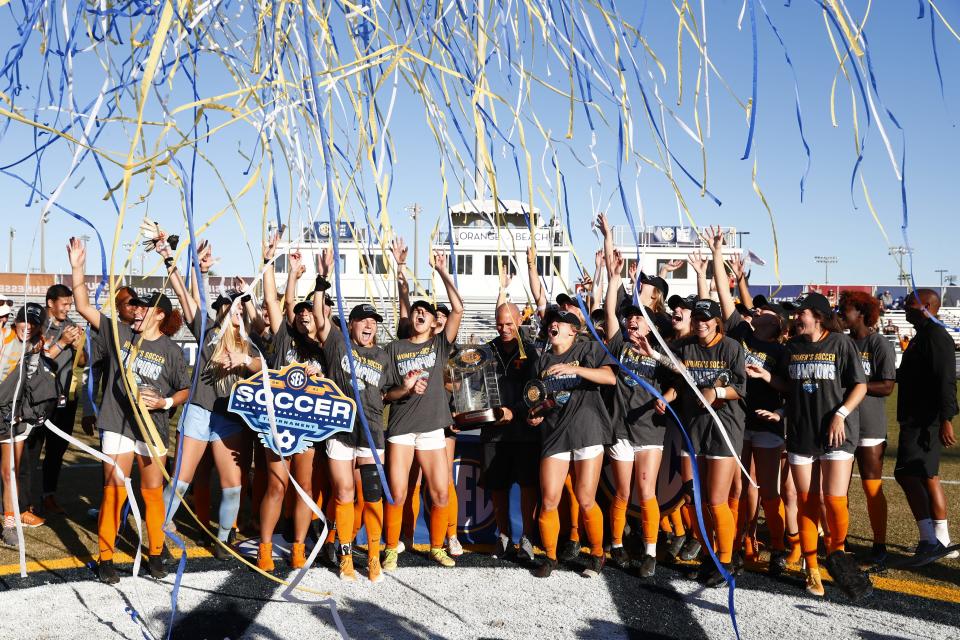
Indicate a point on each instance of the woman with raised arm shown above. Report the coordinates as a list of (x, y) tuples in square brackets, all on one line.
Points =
[(823, 381), (861, 312), (640, 431), (715, 363), (151, 365), (573, 433), (225, 357), (419, 413), (763, 439), (294, 339), (351, 450)]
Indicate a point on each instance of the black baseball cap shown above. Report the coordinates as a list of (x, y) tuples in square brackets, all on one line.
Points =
[(813, 301), (226, 298), (303, 304), (564, 299), (684, 303), (155, 299), (761, 302), (706, 309), (567, 318), (656, 281), (628, 310), (444, 309), (364, 311), (32, 313), (426, 306)]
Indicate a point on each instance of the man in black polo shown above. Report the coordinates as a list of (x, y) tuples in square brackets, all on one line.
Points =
[(926, 404)]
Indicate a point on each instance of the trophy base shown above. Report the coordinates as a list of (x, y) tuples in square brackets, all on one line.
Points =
[(474, 418)]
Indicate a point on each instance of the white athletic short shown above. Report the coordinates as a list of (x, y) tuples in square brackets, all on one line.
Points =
[(114, 444), (337, 450), (799, 460), (429, 441), (584, 453), (763, 439), (626, 451), (870, 442)]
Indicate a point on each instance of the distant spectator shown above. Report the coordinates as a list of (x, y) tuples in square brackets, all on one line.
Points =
[(898, 303), (890, 329), (886, 299)]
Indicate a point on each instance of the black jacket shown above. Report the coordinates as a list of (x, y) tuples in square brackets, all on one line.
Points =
[(927, 378)]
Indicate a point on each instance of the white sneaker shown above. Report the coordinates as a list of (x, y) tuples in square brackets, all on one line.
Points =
[(454, 548)]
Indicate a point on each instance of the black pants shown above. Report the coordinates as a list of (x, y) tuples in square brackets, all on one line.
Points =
[(64, 419), (37, 480)]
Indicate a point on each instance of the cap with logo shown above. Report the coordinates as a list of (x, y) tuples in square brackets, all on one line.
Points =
[(813, 301), (564, 299), (155, 299), (426, 306), (364, 311), (567, 318), (32, 313), (629, 310), (655, 281), (706, 309), (676, 301)]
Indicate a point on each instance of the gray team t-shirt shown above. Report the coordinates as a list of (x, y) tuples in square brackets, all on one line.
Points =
[(374, 375), (159, 363), (211, 393), (879, 363), (430, 411)]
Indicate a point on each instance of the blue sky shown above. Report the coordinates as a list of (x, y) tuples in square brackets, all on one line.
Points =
[(825, 223)]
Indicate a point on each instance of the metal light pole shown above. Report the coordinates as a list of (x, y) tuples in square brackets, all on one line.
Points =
[(898, 252), (941, 272), (826, 261), (13, 233), (740, 235), (414, 210), (43, 244)]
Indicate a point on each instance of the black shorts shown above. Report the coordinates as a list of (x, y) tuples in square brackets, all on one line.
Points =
[(509, 463), (918, 451), (708, 441)]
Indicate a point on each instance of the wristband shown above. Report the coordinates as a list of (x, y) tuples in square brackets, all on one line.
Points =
[(266, 260), (167, 404), (322, 284), (245, 298), (168, 261), (721, 393), (843, 412)]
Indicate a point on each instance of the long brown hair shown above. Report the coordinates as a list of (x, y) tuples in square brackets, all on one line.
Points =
[(171, 323)]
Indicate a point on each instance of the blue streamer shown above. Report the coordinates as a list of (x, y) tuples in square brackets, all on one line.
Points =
[(753, 100)]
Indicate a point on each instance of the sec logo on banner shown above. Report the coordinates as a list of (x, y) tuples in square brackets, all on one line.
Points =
[(306, 410)]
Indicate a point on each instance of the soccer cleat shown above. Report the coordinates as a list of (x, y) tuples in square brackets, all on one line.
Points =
[(569, 550), (107, 573), (736, 563), (374, 570), (220, 552), (593, 567), (704, 571), (619, 558), (545, 568), (814, 585), (298, 555), (454, 548), (31, 520), (166, 556), (925, 553), (690, 549), (265, 556), (155, 567), (878, 554), (9, 537), (347, 573), (714, 578), (502, 547), (404, 544), (526, 549), (674, 545), (390, 560), (648, 566), (439, 555), (329, 554), (778, 562)]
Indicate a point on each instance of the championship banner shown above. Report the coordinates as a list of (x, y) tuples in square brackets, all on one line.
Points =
[(306, 410)]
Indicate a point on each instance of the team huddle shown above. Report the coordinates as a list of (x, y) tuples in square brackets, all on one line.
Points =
[(776, 403)]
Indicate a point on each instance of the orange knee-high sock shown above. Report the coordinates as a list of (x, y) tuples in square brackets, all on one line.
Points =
[(153, 514), (793, 539), (344, 517), (549, 531), (411, 512), (394, 522), (333, 528), (373, 521), (618, 520), (201, 499), (573, 508), (808, 515), (838, 517), (876, 509), (690, 516), (677, 520), (724, 530), (739, 520), (665, 525), (453, 510), (773, 512), (438, 525), (358, 504), (649, 514), (109, 521), (593, 522), (529, 500)]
